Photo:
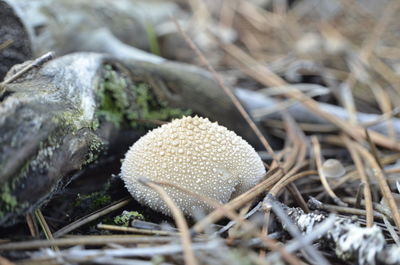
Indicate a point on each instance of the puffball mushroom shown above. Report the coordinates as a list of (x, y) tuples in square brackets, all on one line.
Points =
[(195, 154)]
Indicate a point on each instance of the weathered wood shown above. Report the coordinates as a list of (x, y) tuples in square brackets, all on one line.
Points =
[(65, 26), (57, 119), (47, 131)]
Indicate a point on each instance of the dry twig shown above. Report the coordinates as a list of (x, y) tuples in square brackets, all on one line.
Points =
[(324, 181), (364, 179)]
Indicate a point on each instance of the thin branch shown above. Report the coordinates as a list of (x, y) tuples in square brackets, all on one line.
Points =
[(240, 200), (364, 179), (289, 179), (269, 242), (36, 63), (44, 226), (86, 240), (6, 44), (262, 74), (32, 225), (136, 230), (383, 185), (324, 181)]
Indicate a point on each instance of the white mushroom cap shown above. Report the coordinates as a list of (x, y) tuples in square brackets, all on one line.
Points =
[(195, 154), (332, 168)]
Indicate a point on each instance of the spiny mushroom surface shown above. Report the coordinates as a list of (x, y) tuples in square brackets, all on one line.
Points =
[(195, 154)]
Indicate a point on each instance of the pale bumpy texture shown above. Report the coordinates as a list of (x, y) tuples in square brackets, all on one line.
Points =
[(195, 154)]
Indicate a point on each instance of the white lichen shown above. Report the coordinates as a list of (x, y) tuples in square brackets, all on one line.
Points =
[(362, 242)]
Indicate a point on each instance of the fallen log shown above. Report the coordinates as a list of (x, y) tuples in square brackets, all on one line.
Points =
[(36, 27), (57, 119)]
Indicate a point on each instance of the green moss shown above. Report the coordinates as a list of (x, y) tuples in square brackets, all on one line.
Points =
[(101, 200), (123, 102), (126, 217), (152, 38), (150, 108), (8, 201), (71, 120), (112, 98), (93, 201)]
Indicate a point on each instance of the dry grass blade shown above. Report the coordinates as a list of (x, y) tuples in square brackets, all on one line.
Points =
[(93, 216), (364, 179), (385, 71), (30, 221), (297, 137), (95, 256), (44, 226), (304, 57), (37, 62), (6, 44), (229, 93), (262, 74), (136, 230), (240, 200), (289, 179), (374, 62), (234, 231), (347, 98), (324, 181), (377, 206), (385, 104), (392, 231), (297, 197), (255, 69), (181, 223), (370, 43), (4, 261), (230, 213), (86, 240), (269, 242), (272, 245), (347, 210), (383, 185), (215, 204), (291, 165)]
